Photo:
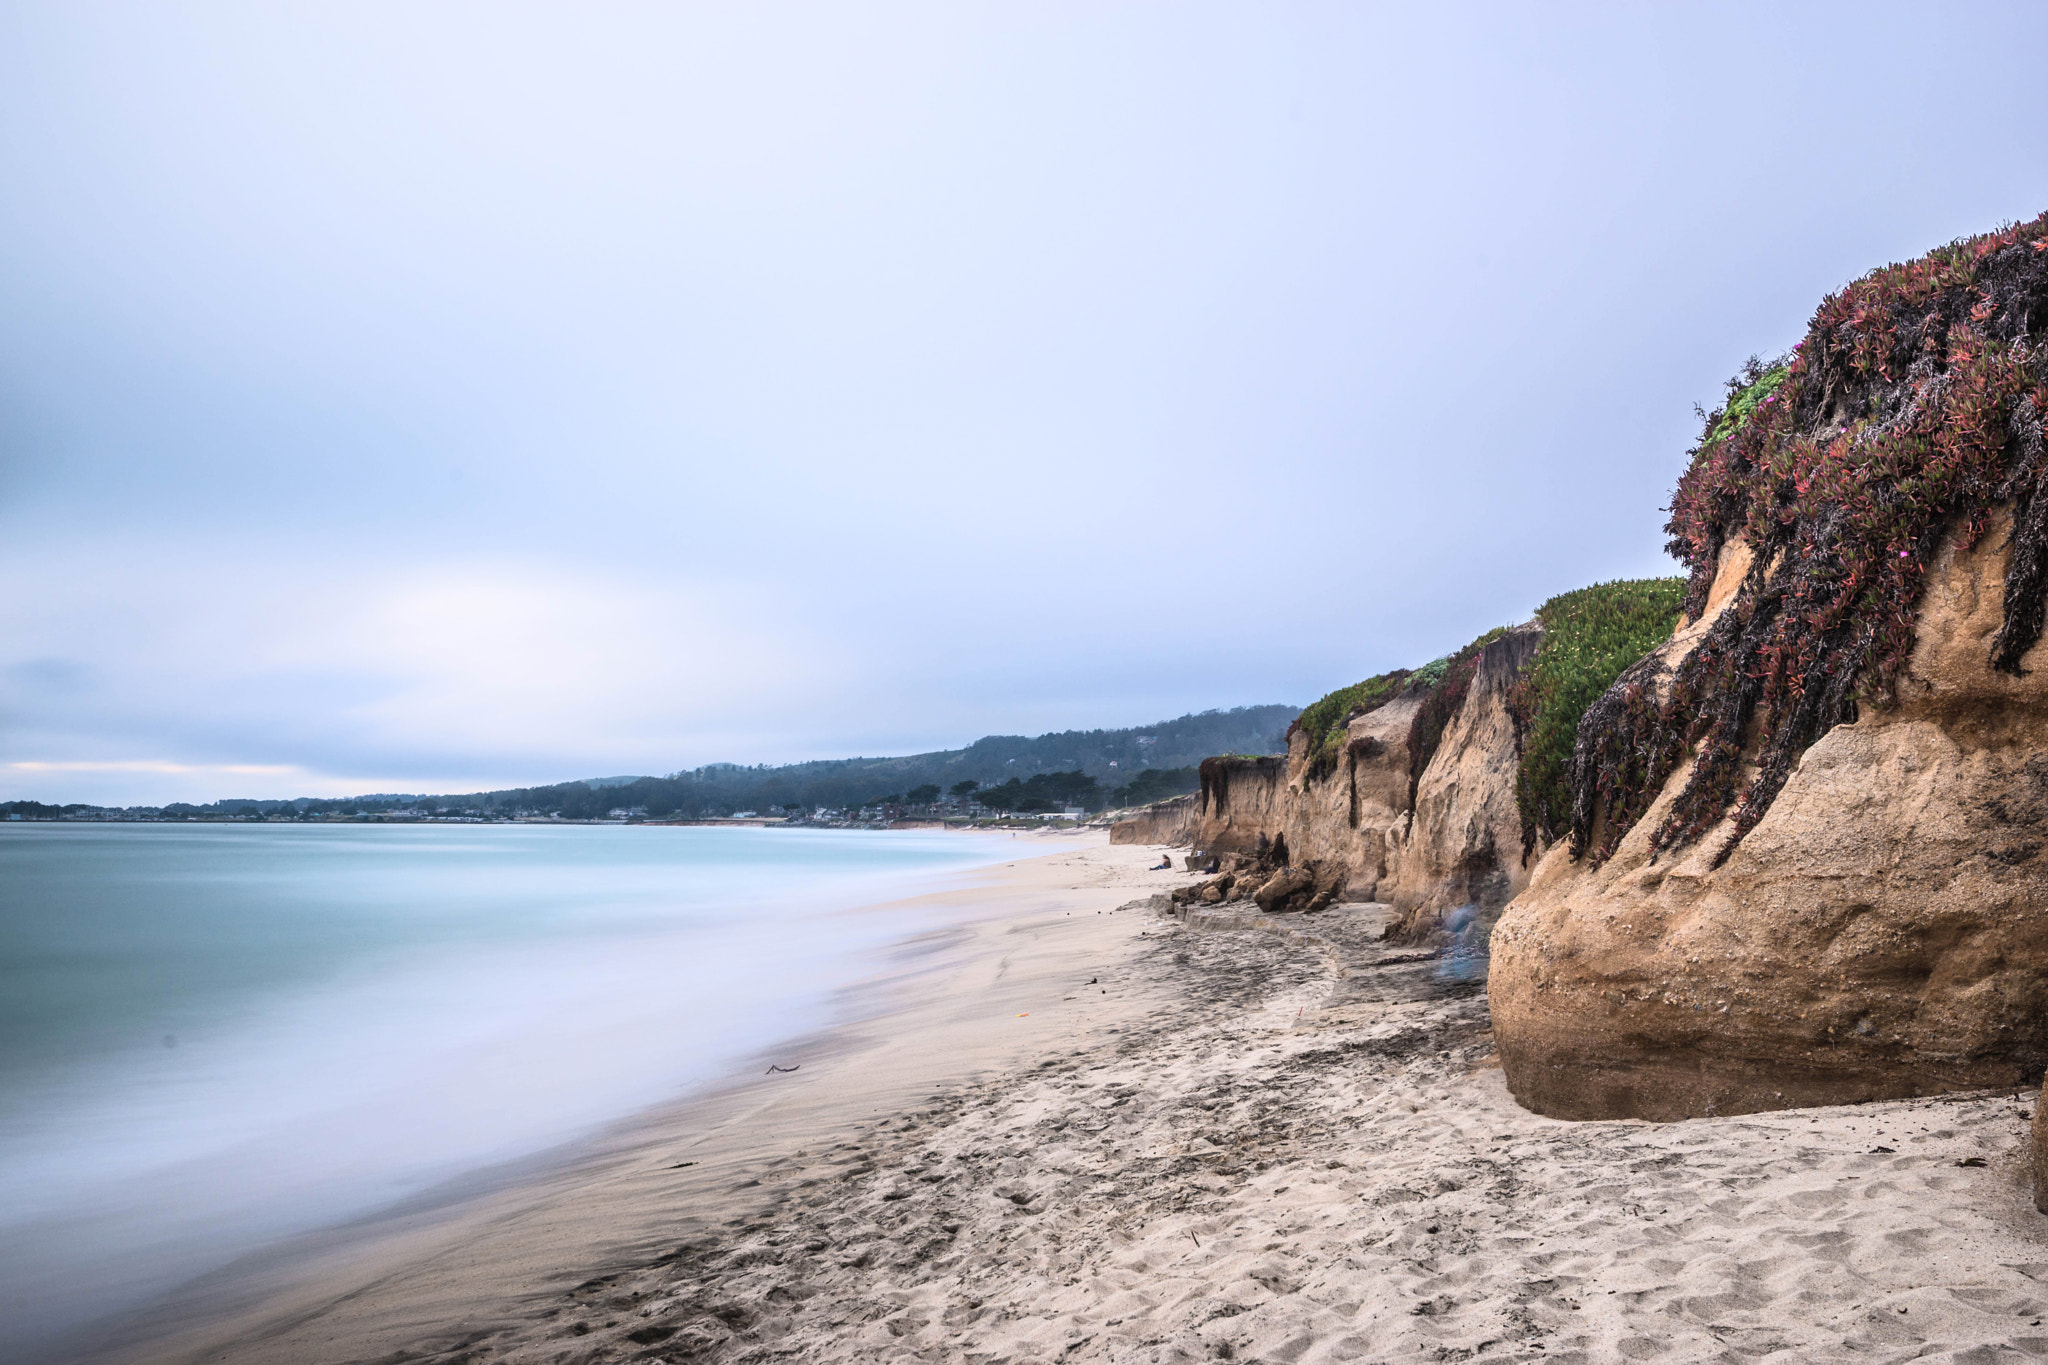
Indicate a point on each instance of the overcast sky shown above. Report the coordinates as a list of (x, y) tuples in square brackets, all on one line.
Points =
[(431, 397)]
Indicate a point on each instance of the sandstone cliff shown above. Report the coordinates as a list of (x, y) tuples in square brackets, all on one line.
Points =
[(1162, 822), (1371, 825), (1882, 931), (1808, 861)]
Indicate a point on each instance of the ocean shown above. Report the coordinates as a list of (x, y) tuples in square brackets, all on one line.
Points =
[(213, 1037)]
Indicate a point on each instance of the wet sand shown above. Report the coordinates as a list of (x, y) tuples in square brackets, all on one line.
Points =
[(1252, 1138), (982, 992)]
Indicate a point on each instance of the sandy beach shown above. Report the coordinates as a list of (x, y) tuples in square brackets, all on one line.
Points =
[(1070, 1127)]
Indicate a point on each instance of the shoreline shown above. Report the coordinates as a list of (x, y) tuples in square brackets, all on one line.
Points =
[(1008, 933), (1271, 1139)]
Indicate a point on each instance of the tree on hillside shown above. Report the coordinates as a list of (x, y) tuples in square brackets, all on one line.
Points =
[(1044, 792), (1156, 784)]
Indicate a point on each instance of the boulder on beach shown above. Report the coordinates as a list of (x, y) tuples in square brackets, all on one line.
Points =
[(1281, 886)]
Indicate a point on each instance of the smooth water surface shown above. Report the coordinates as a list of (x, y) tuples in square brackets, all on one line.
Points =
[(213, 1036)]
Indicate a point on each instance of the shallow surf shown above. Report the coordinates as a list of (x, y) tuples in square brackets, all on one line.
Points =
[(219, 1036)]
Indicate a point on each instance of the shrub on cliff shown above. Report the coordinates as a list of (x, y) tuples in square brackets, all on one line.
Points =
[(1589, 637), (1913, 406), (1323, 722), (1443, 684)]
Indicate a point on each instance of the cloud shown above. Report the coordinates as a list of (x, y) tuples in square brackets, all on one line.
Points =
[(466, 655), (591, 391), (423, 672), (156, 766)]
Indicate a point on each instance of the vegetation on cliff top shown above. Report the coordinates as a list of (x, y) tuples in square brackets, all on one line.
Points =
[(1913, 406), (1443, 684), (1589, 637), (1323, 721)]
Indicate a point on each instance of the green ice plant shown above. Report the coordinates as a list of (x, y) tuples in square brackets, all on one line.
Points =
[(1323, 722), (1589, 637)]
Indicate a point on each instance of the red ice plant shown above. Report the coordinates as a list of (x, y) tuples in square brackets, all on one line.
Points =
[(1912, 408)]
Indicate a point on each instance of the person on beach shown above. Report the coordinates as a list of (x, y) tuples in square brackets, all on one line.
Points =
[(1165, 864)]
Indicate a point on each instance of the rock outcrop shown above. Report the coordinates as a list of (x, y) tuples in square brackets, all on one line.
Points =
[(1371, 827), (1881, 932), (1462, 843), (1808, 859), (1163, 822), (2037, 1152)]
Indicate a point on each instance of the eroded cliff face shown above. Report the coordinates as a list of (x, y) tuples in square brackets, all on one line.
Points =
[(1162, 822), (1881, 932), (1423, 845), (1463, 841)]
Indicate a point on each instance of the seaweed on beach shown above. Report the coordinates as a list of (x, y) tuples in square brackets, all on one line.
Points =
[(1911, 409)]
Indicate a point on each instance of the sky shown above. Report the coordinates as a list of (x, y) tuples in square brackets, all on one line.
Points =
[(435, 397)]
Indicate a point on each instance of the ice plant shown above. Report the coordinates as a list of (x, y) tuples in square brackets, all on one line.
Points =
[(1911, 409), (1589, 637)]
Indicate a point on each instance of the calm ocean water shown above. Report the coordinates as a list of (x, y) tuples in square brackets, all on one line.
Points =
[(215, 1036)]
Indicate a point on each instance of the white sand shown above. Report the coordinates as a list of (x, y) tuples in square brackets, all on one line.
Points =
[(1296, 1149)]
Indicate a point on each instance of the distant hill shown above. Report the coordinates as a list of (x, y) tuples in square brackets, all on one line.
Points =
[(1114, 758), (1142, 763)]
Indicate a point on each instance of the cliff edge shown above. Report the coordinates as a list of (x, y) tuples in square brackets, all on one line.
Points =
[(1807, 862), (1405, 793)]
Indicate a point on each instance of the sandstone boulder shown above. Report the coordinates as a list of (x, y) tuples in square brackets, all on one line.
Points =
[(1281, 887), (1881, 932)]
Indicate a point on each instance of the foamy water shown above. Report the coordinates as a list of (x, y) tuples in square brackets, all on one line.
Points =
[(213, 1037)]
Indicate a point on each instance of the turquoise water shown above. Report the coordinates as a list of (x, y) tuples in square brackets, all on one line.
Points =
[(215, 1036)]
